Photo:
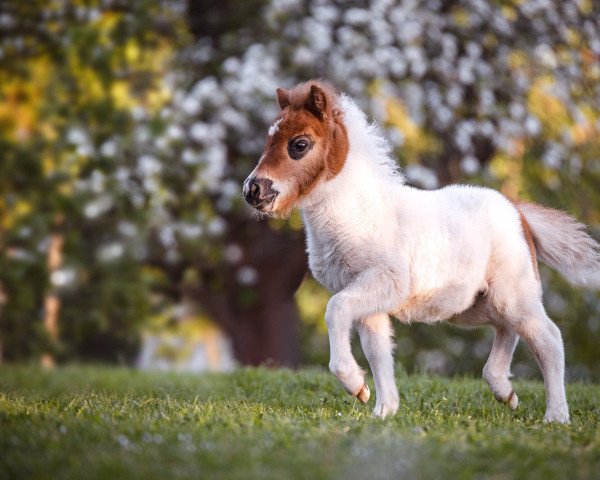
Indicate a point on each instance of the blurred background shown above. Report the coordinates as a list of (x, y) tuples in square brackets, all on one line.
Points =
[(127, 127)]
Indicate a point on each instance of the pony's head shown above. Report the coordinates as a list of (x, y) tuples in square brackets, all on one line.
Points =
[(307, 144)]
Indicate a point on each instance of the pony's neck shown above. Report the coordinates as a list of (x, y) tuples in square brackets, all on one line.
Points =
[(355, 188), (367, 179)]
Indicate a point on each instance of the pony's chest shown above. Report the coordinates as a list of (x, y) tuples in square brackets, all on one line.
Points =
[(334, 260)]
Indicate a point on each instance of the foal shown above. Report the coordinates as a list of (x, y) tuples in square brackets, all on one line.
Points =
[(464, 254)]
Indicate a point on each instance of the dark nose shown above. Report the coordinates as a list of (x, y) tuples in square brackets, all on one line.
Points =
[(259, 191)]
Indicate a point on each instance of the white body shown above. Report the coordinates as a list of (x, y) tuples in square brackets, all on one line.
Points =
[(459, 253)]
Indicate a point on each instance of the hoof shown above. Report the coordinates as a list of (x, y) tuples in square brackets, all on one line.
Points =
[(384, 409), (363, 394), (513, 400), (560, 419), (560, 415)]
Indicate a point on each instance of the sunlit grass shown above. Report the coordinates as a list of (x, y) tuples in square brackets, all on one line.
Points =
[(258, 423)]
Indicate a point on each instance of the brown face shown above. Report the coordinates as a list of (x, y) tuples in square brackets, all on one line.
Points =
[(306, 144)]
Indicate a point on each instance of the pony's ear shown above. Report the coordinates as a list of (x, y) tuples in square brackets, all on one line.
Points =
[(283, 97), (316, 101)]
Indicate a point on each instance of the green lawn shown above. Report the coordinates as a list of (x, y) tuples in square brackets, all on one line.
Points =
[(84, 422)]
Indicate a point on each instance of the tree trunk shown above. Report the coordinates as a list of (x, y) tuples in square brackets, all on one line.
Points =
[(260, 316), (3, 300), (52, 300), (268, 336), (267, 332)]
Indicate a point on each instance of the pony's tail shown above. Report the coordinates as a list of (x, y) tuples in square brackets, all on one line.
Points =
[(563, 244)]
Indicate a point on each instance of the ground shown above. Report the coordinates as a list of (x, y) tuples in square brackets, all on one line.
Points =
[(90, 422)]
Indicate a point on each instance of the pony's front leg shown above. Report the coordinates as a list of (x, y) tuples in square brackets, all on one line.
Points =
[(342, 363), (374, 292), (376, 340)]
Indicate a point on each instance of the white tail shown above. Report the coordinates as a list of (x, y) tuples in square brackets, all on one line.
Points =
[(563, 244)]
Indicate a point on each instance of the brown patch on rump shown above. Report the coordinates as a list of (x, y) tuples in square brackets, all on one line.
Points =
[(530, 239), (310, 109)]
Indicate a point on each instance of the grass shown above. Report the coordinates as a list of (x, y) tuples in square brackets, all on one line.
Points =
[(90, 422)]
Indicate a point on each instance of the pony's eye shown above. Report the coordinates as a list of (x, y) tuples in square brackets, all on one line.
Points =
[(300, 145), (297, 147)]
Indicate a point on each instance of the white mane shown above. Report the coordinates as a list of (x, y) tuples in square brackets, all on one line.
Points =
[(367, 140)]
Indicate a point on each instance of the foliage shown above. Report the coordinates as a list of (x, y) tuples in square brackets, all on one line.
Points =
[(82, 88), (259, 423)]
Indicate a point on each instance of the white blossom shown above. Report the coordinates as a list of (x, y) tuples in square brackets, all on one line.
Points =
[(62, 277), (98, 206), (110, 252), (247, 275), (233, 253), (109, 148)]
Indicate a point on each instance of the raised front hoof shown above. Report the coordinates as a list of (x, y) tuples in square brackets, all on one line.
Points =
[(364, 394), (557, 416), (511, 400)]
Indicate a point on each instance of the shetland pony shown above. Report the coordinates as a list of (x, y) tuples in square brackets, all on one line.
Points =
[(463, 254)]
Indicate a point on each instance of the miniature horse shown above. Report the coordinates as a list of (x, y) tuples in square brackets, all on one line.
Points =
[(464, 254)]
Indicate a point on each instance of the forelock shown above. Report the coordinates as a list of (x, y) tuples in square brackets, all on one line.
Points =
[(299, 95)]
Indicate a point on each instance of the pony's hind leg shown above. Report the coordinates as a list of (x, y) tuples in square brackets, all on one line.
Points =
[(376, 339), (497, 368), (545, 341), (496, 371)]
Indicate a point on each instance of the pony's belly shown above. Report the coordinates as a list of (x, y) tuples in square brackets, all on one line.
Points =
[(435, 305)]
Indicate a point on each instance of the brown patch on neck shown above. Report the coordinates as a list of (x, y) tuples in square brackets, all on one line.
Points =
[(530, 239), (339, 146)]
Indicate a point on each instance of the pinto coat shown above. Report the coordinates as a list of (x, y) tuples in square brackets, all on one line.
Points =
[(462, 253)]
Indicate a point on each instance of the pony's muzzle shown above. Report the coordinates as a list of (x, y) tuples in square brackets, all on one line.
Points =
[(259, 192)]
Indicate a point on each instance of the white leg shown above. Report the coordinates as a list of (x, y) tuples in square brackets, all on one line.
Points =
[(376, 291), (342, 363), (545, 341), (376, 340), (497, 368)]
